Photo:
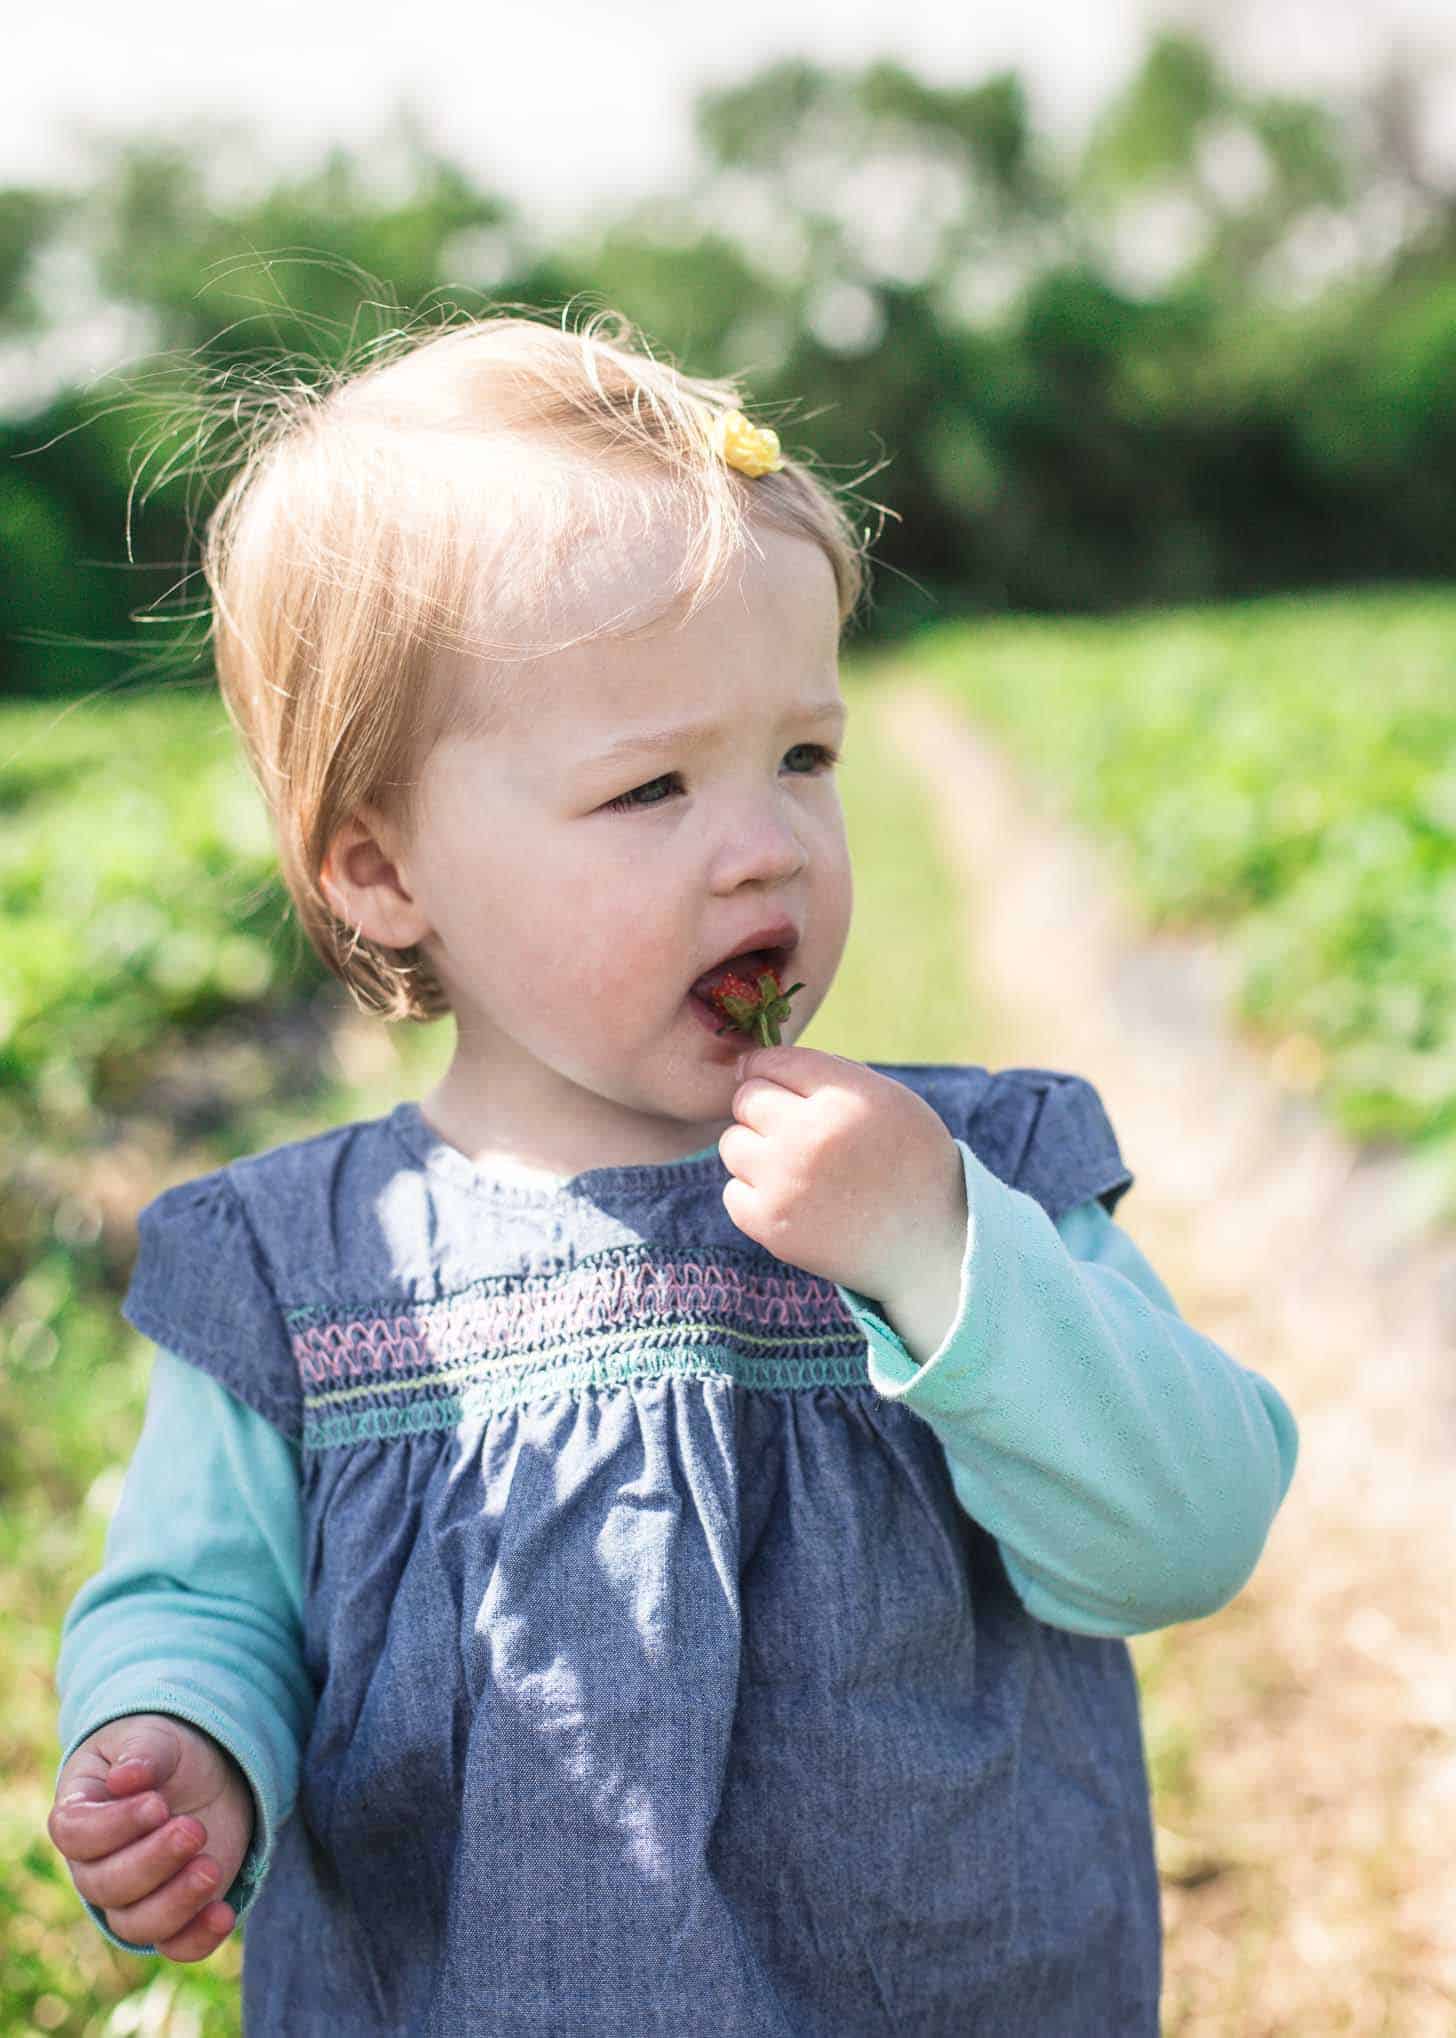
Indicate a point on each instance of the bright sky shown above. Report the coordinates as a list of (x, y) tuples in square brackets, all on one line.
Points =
[(571, 105)]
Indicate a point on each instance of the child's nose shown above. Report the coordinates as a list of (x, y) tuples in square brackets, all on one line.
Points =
[(763, 842)]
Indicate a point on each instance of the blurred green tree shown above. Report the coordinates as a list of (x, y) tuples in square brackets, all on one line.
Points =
[(1208, 352)]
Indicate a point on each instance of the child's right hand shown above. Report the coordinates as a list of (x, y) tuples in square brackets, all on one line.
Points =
[(150, 1792)]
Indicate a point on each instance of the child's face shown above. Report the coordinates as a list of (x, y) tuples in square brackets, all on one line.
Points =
[(567, 933)]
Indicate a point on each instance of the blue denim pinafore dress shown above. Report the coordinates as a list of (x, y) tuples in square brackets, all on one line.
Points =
[(663, 1686)]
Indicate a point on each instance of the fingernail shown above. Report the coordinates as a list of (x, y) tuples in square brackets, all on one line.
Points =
[(74, 1797)]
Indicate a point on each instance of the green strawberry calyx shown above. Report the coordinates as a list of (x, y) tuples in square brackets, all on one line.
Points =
[(757, 1011)]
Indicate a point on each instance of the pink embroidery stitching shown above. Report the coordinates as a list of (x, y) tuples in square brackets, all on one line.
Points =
[(627, 1298)]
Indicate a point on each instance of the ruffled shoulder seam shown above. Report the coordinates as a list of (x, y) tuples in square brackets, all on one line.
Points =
[(1061, 1146), (201, 1288)]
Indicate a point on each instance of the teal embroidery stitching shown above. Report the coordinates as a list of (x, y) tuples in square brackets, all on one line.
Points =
[(622, 1316)]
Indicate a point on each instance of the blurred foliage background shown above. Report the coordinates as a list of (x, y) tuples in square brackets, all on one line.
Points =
[(1168, 427), (1210, 352)]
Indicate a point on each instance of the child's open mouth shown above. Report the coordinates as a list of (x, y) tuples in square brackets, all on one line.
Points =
[(745, 997), (746, 966)]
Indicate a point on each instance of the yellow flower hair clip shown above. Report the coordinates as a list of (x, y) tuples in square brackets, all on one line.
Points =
[(752, 449)]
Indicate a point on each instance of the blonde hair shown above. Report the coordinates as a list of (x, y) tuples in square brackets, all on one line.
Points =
[(436, 503)]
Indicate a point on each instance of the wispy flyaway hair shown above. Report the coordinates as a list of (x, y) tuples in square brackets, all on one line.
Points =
[(456, 499)]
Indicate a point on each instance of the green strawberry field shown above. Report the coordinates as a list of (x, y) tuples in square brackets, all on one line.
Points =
[(1282, 772)]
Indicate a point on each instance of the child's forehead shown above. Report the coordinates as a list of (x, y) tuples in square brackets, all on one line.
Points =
[(624, 575), (614, 612), (615, 646), (533, 602)]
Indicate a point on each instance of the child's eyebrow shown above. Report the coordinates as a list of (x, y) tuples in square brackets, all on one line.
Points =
[(653, 742)]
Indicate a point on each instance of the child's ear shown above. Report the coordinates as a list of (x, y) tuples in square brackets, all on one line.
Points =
[(367, 889)]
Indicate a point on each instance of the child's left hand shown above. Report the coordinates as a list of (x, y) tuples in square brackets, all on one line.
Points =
[(843, 1172)]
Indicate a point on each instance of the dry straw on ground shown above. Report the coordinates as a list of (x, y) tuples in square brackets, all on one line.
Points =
[(1305, 1737)]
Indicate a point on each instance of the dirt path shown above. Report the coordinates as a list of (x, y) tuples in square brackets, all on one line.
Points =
[(1303, 1739)]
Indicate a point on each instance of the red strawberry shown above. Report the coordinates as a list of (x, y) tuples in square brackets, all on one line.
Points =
[(754, 1008)]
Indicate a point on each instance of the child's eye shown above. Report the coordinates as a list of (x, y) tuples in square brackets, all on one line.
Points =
[(825, 758)]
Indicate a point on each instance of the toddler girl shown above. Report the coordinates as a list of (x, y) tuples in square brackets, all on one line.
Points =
[(641, 1540)]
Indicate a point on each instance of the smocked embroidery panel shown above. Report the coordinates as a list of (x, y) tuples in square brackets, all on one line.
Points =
[(628, 1314)]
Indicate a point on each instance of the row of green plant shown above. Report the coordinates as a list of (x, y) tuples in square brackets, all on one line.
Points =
[(138, 894), (1282, 772)]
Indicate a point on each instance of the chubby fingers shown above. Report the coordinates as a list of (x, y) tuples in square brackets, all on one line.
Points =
[(202, 1937), (173, 1908), (772, 1064), (86, 1827), (136, 1870), (763, 1137), (767, 1105), (139, 1751), (760, 1111), (130, 1774), (805, 1069)]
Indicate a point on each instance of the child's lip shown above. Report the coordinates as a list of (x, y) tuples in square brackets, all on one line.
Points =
[(776, 951), (782, 936)]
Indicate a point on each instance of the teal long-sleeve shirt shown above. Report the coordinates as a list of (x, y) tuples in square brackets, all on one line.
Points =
[(1128, 1468)]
